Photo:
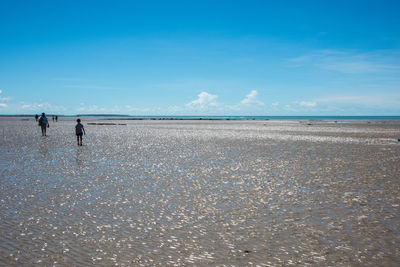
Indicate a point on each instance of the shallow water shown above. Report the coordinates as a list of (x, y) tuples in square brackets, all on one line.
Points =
[(205, 193)]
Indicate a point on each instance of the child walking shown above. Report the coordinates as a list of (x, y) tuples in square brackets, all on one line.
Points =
[(79, 130)]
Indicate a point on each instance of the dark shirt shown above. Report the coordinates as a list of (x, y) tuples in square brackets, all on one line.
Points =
[(79, 128)]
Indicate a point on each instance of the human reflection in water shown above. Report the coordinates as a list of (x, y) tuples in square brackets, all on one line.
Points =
[(79, 158), (43, 150)]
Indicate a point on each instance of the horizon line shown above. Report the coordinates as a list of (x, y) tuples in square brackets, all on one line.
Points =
[(196, 116)]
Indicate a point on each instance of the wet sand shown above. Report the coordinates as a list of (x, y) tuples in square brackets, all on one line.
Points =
[(204, 193)]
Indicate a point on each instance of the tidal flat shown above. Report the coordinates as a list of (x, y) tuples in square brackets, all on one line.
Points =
[(200, 193)]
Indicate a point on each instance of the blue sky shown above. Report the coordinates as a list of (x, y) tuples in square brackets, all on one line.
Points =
[(200, 57)]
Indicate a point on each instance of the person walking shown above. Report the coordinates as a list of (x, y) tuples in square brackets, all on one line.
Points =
[(79, 130), (44, 123)]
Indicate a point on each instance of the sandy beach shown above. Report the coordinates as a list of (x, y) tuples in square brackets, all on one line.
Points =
[(203, 193)]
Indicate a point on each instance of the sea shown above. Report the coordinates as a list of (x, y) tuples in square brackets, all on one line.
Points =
[(215, 117), (208, 117), (178, 192)]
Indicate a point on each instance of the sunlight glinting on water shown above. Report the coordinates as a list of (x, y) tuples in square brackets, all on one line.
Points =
[(200, 193)]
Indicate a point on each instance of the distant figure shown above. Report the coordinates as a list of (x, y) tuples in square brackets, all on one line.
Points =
[(79, 130), (56, 118), (36, 117), (53, 118), (44, 123)]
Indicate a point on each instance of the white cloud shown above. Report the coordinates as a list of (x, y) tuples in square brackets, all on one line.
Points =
[(90, 87), (175, 109), (251, 99), (289, 108), (67, 79), (207, 102), (91, 108), (203, 101), (355, 66), (116, 109), (131, 109), (349, 62), (3, 105), (4, 98), (42, 107), (308, 104), (381, 100), (275, 104)]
